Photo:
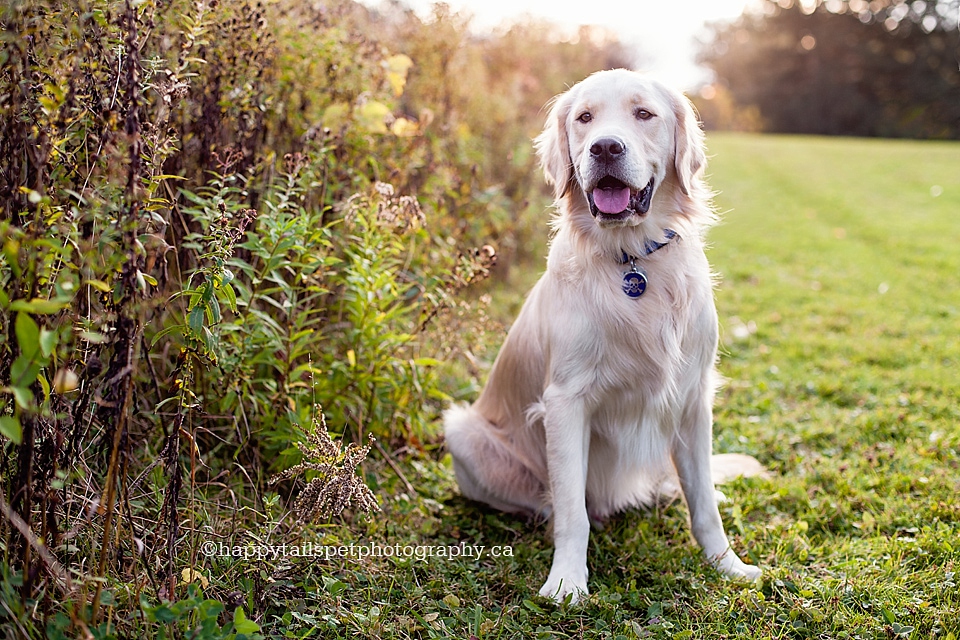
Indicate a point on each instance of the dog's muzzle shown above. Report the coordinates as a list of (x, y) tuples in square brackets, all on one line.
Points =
[(612, 198)]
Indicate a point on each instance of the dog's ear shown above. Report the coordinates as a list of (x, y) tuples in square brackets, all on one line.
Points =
[(553, 147), (691, 154)]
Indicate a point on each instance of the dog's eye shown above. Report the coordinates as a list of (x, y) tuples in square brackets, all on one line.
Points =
[(643, 114), (585, 117)]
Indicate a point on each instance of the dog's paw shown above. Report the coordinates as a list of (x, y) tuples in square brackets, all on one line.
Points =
[(561, 586), (732, 567)]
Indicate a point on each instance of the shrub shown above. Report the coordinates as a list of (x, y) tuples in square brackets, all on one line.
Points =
[(215, 217)]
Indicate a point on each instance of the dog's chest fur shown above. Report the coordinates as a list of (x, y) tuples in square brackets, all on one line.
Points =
[(614, 348), (631, 359)]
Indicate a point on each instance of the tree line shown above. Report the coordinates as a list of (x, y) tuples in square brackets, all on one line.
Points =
[(884, 68)]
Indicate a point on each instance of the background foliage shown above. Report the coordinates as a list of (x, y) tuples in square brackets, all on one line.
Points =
[(885, 68)]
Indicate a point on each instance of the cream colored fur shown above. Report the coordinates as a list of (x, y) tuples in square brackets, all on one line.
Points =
[(599, 402)]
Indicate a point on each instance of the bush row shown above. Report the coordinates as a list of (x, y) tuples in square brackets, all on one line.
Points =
[(217, 216)]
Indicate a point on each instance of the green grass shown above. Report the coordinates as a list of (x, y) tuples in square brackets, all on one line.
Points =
[(840, 312), (841, 255)]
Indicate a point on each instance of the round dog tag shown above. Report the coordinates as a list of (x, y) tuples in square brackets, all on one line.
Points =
[(634, 283)]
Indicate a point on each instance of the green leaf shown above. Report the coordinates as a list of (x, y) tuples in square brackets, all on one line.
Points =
[(195, 320), (213, 312), (10, 427), (24, 371), (242, 625), (38, 305), (11, 251), (530, 604), (28, 333), (194, 198), (209, 342), (164, 614), (335, 587), (99, 285), (208, 611), (230, 295), (177, 328), (165, 401), (45, 385), (25, 368), (48, 342), (23, 395)]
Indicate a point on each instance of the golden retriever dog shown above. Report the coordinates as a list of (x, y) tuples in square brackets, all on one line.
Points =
[(601, 397)]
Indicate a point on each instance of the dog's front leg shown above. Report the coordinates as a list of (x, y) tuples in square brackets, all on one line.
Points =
[(691, 457), (567, 433)]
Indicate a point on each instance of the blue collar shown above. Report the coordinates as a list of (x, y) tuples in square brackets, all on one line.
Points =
[(635, 280), (649, 247)]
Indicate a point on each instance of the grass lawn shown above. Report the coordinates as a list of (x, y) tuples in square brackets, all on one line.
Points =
[(839, 301)]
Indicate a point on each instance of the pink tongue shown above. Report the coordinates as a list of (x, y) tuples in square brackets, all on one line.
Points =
[(611, 200)]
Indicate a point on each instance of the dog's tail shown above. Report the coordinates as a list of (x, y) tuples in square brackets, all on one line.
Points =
[(487, 468), (724, 467)]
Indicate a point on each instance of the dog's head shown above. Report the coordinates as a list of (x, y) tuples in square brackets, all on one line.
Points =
[(624, 148)]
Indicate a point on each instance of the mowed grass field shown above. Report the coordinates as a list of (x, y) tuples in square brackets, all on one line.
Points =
[(839, 265), (841, 314)]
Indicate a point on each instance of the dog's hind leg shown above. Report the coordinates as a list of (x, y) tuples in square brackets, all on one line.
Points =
[(487, 470)]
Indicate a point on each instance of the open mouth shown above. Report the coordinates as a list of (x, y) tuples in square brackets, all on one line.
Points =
[(613, 199)]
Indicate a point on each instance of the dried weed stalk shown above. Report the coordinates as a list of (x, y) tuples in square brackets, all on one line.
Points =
[(471, 267), (337, 485), (401, 213)]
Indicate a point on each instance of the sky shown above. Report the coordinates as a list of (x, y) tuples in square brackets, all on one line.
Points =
[(663, 31)]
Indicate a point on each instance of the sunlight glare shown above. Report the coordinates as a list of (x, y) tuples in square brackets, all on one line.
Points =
[(664, 33)]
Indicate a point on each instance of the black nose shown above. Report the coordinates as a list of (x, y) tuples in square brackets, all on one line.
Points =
[(607, 149)]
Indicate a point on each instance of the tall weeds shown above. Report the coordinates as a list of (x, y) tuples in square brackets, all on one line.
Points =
[(217, 216)]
